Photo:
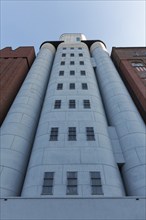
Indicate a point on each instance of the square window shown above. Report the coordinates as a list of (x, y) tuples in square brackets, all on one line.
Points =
[(78, 39), (84, 86), (59, 86), (82, 72), (72, 86), (72, 103), (81, 62), (72, 62), (72, 72), (63, 55), (80, 48), (64, 48), (61, 73), (72, 54), (72, 48), (80, 55), (62, 63)]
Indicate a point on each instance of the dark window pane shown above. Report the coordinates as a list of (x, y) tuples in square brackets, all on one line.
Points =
[(61, 73)]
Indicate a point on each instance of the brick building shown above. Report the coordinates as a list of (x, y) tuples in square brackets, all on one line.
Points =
[(131, 64), (14, 66)]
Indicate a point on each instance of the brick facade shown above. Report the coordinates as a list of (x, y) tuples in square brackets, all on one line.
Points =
[(14, 66), (131, 64)]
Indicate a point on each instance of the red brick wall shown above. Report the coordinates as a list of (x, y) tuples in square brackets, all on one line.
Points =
[(14, 66), (123, 59)]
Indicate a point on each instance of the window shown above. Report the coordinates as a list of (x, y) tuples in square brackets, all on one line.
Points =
[(80, 55), (72, 134), (86, 103), (48, 183), (61, 73), (59, 86), (80, 48), (77, 38), (57, 104), (72, 62), (72, 48), (96, 186), (62, 63), (72, 72), (81, 62), (72, 86), (63, 55), (72, 54), (84, 86), (137, 64), (82, 72), (54, 134), (90, 134), (72, 103), (64, 48), (71, 183)]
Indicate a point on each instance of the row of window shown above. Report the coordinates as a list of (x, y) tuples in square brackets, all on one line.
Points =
[(72, 63), (72, 55), (72, 183), (72, 86), (72, 134), (72, 48), (72, 72), (72, 104)]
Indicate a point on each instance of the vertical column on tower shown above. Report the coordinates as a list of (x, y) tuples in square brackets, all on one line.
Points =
[(122, 114), (19, 127), (71, 136)]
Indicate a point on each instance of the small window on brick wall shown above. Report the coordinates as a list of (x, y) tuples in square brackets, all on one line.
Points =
[(48, 183), (96, 185), (71, 183)]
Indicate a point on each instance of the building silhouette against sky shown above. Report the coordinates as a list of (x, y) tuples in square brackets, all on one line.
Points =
[(73, 139)]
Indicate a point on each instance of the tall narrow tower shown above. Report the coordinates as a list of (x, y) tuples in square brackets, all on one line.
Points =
[(73, 138)]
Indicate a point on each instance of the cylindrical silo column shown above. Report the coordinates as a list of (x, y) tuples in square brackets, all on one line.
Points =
[(122, 114), (19, 127)]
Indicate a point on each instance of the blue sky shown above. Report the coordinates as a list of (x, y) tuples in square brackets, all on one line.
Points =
[(29, 23)]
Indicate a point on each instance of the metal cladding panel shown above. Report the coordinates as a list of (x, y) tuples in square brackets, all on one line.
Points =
[(19, 127), (123, 114)]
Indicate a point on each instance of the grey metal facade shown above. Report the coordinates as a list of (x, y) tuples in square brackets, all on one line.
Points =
[(73, 129)]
